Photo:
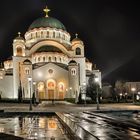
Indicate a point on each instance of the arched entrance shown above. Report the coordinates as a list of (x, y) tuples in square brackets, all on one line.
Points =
[(61, 90), (51, 85), (41, 90)]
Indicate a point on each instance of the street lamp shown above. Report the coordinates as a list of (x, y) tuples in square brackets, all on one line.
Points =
[(97, 91), (70, 92), (133, 90), (30, 84)]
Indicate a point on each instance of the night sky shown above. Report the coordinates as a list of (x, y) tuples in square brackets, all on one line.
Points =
[(110, 30)]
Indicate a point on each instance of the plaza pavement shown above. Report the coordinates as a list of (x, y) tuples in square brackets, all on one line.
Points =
[(66, 107)]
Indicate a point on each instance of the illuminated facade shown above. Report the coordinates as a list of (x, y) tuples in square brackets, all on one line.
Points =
[(56, 64)]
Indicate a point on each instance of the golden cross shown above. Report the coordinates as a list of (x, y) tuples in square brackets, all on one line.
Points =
[(46, 10), (76, 35)]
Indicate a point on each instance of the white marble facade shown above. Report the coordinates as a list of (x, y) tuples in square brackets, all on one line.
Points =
[(46, 53)]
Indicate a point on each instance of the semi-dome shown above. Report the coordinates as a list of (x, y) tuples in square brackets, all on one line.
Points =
[(72, 62), (47, 22), (27, 61), (48, 48)]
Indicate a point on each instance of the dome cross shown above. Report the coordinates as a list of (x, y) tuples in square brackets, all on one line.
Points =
[(19, 33), (46, 10), (76, 35)]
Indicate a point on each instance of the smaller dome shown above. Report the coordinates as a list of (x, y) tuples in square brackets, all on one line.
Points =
[(27, 62), (76, 38), (72, 62)]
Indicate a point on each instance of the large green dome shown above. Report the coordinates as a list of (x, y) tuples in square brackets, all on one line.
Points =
[(47, 22)]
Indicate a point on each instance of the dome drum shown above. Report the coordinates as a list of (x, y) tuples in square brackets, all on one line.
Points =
[(36, 35), (49, 57)]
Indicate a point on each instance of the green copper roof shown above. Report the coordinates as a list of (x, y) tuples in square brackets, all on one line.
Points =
[(48, 49), (47, 22)]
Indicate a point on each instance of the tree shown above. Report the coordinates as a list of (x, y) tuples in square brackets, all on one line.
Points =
[(120, 90), (92, 88)]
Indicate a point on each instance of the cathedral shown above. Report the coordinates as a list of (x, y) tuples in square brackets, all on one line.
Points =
[(47, 62)]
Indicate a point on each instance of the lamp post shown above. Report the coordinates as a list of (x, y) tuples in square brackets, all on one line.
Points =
[(97, 91), (70, 92), (133, 91), (30, 84)]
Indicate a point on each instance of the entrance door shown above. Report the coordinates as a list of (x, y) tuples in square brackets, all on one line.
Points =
[(41, 90), (51, 89), (50, 94), (61, 90)]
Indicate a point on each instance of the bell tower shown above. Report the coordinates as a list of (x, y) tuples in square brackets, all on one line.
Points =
[(19, 46)]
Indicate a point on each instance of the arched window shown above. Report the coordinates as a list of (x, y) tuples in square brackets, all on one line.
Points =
[(49, 59), (78, 51), (53, 34), (38, 59), (31, 36), (41, 33), (44, 59), (59, 35), (60, 59), (19, 51), (64, 37), (47, 33), (55, 59), (27, 71), (73, 71)]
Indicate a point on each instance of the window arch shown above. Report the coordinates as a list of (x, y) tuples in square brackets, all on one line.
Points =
[(27, 71), (53, 34), (41, 33), (38, 59), (73, 71), (78, 51), (19, 51), (60, 59), (49, 59), (44, 59), (64, 37), (55, 59), (47, 33)]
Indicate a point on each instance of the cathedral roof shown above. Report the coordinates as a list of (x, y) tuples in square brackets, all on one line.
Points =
[(47, 22)]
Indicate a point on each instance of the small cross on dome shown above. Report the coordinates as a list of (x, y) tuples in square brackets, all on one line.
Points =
[(76, 35), (46, 10), (19, 33)]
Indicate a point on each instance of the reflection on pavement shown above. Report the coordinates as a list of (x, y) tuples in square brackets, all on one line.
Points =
[(32, 127)]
